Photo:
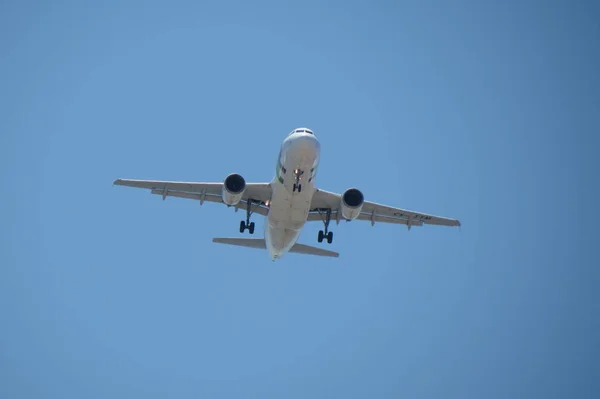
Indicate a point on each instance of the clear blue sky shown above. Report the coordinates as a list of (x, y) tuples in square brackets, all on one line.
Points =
[(487, 113)]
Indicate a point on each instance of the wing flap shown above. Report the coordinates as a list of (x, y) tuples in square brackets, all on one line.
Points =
[(181, 194), (373, 218), (261, 210)]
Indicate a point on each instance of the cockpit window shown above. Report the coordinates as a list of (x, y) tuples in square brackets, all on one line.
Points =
[(303, 131)]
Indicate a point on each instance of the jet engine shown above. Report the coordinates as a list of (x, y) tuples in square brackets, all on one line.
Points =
[(233, 189), (352, 203)]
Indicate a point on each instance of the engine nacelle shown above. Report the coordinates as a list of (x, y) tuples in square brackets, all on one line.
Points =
[(352, 203), (233, 189)]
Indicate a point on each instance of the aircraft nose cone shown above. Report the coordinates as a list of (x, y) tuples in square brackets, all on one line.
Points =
[(307, 143)]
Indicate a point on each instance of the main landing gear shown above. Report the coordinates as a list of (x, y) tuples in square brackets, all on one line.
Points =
[(297, 186), (247, 224), (325, 234)]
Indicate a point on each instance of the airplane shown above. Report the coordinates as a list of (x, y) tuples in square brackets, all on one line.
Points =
[(289, 201)]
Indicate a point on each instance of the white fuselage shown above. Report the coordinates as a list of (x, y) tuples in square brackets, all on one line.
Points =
[(289, 207)]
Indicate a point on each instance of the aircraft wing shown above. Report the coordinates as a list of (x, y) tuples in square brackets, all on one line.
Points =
[(373, 212), (259, 193)]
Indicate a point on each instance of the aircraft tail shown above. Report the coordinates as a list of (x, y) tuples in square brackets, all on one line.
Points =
[(260, 244)]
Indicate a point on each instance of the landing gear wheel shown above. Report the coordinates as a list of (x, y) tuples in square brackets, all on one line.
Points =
[(298, 175), (247, 224), (327, 235)]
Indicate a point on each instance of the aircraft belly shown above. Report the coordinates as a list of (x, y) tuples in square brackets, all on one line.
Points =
[(287, 214), (281, 239), (288, 210)]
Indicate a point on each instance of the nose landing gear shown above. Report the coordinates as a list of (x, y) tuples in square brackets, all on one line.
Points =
[(327, 235), (297, 175)]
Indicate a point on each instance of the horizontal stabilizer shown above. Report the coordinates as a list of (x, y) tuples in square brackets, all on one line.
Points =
[(260, 244), (243, 242), (308, 250)]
